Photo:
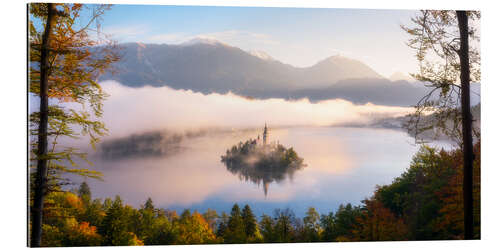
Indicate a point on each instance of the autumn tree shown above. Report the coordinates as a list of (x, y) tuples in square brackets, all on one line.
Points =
[(448, 63), (64, 66), (449, 223), (378, 223), (312, 227), (211, 217), (193, 229)]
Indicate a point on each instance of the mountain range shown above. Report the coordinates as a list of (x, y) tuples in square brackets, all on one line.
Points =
[(209, 66)]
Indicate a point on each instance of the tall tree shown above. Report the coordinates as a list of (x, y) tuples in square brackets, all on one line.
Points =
[(463, 25), (149, 204), (40, 181), (311, 225), (115, 226), (284, 224), (445, 35), (64, 65), (249, 221), (328, 224), (84, 193), (211, 217), (267, 228), (235, 231)]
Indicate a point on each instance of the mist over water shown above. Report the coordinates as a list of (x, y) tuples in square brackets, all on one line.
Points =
[(167, 144), (343, 165), (132, 110)]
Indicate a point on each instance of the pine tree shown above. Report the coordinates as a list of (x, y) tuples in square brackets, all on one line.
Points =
[(84, 193), (149, 204), (235, 232), (114, 228), (249, 221)]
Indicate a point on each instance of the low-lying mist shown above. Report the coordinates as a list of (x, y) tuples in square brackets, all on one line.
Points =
[(137, 110)]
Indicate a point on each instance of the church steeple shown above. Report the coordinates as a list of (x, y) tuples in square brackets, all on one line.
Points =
[(264, 135)]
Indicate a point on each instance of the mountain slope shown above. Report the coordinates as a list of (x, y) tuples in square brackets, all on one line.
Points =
[(209, 66)]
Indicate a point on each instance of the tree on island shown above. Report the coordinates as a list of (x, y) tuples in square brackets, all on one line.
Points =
[(262, 163)]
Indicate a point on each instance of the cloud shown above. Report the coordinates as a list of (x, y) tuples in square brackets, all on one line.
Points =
[(133, 110)]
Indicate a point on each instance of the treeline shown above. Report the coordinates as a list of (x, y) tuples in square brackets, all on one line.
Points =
[(424, 203)]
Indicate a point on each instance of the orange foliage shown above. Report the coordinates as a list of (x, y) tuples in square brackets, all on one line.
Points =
[(378, 223), (451, 221), (194, 229)]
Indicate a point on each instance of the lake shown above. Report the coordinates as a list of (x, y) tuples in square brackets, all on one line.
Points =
[(343, 165)]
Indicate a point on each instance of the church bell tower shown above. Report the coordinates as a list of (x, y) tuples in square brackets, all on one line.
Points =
[(264, 135)]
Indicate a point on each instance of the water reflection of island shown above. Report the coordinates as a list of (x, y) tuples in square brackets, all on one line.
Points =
[(261, 162)]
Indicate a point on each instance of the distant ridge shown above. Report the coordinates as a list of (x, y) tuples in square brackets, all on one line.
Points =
[(206, 65)]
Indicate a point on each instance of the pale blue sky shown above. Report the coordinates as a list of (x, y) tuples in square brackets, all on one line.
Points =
[(297, 36)]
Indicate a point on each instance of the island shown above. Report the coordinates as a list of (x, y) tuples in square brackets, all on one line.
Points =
[(262, 162)]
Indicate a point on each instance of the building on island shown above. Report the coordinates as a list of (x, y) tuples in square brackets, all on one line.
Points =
[(265, 135)]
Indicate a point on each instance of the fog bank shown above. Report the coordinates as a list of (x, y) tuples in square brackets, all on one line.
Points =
[(133, 110)]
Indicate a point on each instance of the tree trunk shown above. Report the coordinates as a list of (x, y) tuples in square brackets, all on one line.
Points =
[(468, 155), (41, 169)]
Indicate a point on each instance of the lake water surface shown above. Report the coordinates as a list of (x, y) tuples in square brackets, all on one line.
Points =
[(343, 165)]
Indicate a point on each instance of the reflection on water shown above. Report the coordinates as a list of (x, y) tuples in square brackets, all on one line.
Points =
[(344, 165), (261, 162)]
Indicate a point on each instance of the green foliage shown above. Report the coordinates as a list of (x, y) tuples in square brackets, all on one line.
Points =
[(222, 225), (115, 225), (312, 227), (235, 231), (328, 224), (413, 194), (84, 193), (435, 38), (72, 74), (250, 224), (284, 226), (266, 226), (345, 221)]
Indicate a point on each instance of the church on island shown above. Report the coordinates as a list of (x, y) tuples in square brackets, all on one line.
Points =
[(265, 138), (262, 161)]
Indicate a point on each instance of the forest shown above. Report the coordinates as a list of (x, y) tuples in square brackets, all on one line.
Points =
[(424, 203)]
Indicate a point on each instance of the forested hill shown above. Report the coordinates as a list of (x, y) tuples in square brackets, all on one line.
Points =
[(211, 66)]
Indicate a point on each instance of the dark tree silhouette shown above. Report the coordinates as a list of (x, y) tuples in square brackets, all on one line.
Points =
[(436, 33)]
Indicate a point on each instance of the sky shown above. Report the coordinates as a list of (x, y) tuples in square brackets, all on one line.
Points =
[(297, 36)]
